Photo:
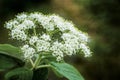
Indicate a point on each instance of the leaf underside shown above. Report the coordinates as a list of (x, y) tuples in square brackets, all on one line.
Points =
[(67, 71)]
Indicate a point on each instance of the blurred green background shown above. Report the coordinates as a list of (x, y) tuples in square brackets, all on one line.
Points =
[(99, 18)]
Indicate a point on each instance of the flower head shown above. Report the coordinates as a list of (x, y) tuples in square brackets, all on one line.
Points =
[(50, 34), (33, 40), (28, 51)]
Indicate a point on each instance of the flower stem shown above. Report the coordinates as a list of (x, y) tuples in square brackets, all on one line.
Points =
[(34, 32), (31, 62), (43, 66), (37, 61)]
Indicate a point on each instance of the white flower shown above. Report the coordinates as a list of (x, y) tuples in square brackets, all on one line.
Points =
[(36, 16), (57, 19), (69, 36), (57, 49), (68, 49), (18, 34), (49, 34), (10, 25), (59, 58), (42, 45), (21, 27), (83, 37), (29, 24), (21, 16), (71, 43), (45, 37), (46, 23), (28, 51), (33, 40), (26, 46), (85, 50), (67, 26)]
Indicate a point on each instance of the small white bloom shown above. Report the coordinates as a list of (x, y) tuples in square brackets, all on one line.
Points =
[(56, 45), (58, 22), (45, 37), (67, 26), (68, 49), (57, 19), (18, 34), (69, 36), (46, 23), (85, 50), (58, 58), (57, 50), (33, 40), (36, 16), (29, 24), (11, 24), (21, 27), (28, 51), (42, 45), (21, 16), (83, 37), (26, 46)]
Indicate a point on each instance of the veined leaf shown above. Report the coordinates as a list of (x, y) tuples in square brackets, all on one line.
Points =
[(10, 57), (10, 50), (67, 71), (19, 74), (7, 62)]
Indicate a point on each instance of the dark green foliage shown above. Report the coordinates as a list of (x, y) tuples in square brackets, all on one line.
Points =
[(10, 50), (9, 58), (7, 62), (19, 74), (40, 74), (11, 62)]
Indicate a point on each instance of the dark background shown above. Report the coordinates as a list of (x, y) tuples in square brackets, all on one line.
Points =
[(99, 18)]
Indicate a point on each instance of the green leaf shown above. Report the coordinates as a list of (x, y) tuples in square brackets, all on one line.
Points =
[(8, 62), (10, 50), (67, 71), (19, 74), (40, 74), (10, 57)]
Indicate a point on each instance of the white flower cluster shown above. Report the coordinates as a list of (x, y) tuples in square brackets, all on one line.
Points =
[(28, 51), (47, 33)]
